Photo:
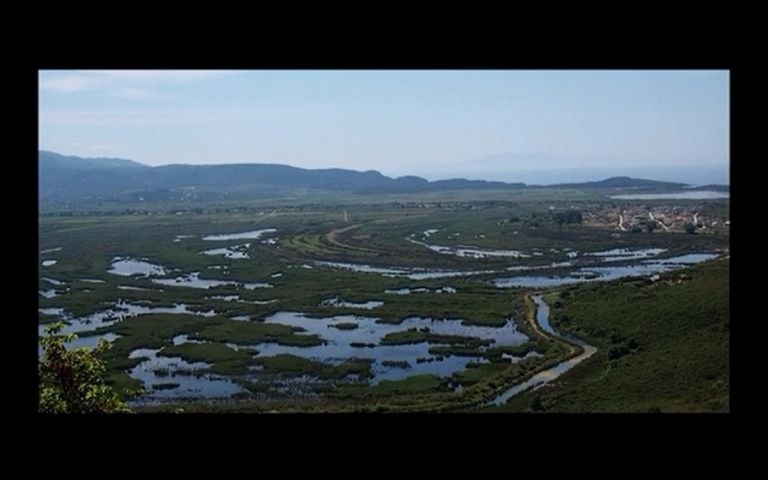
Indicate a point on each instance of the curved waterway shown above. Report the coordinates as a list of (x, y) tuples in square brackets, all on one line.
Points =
[(601, 273), (546, 376)]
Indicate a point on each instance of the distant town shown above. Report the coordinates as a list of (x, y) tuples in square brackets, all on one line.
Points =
[(667, 218)]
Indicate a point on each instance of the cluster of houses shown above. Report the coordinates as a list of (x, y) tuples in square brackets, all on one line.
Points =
[(661, 217)]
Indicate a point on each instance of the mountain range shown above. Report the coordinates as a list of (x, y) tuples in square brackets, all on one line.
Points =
[(71, 178)]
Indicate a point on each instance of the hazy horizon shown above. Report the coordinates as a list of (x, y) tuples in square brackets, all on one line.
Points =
[(537, 127)]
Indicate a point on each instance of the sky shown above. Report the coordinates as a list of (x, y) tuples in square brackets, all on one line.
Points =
[(513, 125)]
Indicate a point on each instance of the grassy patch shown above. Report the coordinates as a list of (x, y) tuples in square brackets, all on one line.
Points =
[(244, 333), (345, 326), (165, 386), (416, 383), (396, 364), (419, 336), (204, 352), (291, 365), (477, 372)]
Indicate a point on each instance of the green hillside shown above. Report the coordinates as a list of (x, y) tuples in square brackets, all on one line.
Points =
[(663, 346)]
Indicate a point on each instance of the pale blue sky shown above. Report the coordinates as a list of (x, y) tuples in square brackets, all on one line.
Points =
[(495, 124)]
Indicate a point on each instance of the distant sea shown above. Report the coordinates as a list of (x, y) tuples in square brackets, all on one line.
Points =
[(699, 175)]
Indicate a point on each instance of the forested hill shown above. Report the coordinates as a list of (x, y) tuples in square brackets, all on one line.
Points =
[(70, 178), (624, 182)]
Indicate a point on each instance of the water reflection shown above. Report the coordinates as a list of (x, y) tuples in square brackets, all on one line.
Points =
[(589, 274), (158, 370), (129, 266), (234, 252), (254, 234), (364, 342), (339, 302)]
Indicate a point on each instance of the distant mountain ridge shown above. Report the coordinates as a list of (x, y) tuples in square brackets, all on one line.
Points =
[(623, 182), (69, 178), (55, 160)]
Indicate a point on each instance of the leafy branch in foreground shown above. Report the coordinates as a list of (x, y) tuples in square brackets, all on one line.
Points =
[(71, 381)]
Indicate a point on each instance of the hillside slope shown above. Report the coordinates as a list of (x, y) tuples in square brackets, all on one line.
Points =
[(663, 346), (75, 178)]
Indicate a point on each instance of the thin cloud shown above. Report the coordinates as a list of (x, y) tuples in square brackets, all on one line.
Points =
[(128, 84), (132, 93), (174, 116), (160, 76), (67, 83)]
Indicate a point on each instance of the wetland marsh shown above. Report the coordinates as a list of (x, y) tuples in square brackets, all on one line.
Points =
[(412, 307)]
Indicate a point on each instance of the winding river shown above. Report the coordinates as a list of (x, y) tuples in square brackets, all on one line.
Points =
[(546, 376)]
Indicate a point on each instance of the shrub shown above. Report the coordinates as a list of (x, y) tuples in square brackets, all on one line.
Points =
[(71, 380)]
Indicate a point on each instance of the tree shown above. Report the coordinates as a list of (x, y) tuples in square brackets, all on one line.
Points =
[(617, 352), (651, 226), (689, 228), (569, 216), (71, 380)]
